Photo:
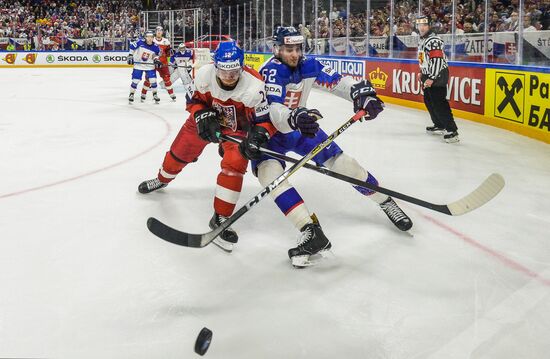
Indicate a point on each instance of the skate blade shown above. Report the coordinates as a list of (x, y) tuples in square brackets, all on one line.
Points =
[(226, 246), (440, 132), (312, 260), (452, 140)]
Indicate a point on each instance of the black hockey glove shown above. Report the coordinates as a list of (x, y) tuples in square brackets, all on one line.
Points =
[(305, 121), (364, 98), (249, 147), (130, 59), (208, 124), (157, 63)]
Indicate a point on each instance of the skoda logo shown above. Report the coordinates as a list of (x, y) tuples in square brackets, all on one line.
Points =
[(50, 59), (96, 58)]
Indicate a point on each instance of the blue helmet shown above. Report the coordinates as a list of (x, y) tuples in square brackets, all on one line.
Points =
[(287, 36), (228, 56)]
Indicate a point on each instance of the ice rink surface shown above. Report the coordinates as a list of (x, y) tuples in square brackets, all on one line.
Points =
[(81, 276)]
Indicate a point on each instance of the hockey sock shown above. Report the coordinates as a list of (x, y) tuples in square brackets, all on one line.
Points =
[(285, 196), (133, 86), (169, 88), (348, 166), (171, 166), (228, 190), (145, 88)]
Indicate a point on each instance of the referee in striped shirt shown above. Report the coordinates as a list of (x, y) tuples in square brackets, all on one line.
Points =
[(435, 75)]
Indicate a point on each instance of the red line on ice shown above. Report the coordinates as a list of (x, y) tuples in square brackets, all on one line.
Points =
[(167, 126), (508, 262)]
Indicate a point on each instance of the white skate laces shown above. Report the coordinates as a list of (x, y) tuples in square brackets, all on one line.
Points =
[(154, 184), (305, 236), (393, 211)]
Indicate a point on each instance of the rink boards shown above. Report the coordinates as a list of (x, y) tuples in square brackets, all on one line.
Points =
[(516, 98)]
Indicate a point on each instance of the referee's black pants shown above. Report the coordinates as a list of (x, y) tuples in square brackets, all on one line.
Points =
[(435, 98)]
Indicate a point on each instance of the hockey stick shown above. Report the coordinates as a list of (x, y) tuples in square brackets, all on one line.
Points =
[(481, 195), (172, 235), (152, 64)]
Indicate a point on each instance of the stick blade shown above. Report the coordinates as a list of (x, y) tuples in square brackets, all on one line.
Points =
[(174, 236), (481, 195)]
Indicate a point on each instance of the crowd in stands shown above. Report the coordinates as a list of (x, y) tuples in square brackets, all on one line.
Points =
[(503, 15), (83, 19), (59, 20)]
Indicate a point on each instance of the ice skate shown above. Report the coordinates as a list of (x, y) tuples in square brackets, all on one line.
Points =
[(396, 215), (151, 185), (312, 245), (227, 238), (435, 130), (451, 137)]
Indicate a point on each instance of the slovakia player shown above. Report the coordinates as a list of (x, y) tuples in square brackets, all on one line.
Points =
[(164, 45), (144, 55), (229, 97), (181, 60), (289, 77)]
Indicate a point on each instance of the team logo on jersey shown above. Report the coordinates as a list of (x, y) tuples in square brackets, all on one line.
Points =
[(145, 56), (292, 99), (50, 59), (328, 70), (30, 59), (509, 96), (10, 58), (228, 115), (96, 58)]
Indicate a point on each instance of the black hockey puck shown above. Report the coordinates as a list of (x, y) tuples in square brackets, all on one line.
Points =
[(203, 341)]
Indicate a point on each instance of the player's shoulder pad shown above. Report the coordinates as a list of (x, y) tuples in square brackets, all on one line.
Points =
[(203, 76), (279, 71), (163, 41), (311, 67), (255, 88)]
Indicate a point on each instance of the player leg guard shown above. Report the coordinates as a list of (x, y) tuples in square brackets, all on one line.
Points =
[(133, 86), (145, 88), (171, 167), (228, 190), (168, 85), (285, 196), (230, 179), (348, 166)]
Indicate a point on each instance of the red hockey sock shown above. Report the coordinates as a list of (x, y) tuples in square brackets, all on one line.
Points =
[(171, 166), (228, 190)]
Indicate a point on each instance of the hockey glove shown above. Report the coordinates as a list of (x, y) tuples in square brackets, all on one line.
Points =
[(208, 124), (157, 63), (364, 98), (305, 121), (250, 146), (130, 59)]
